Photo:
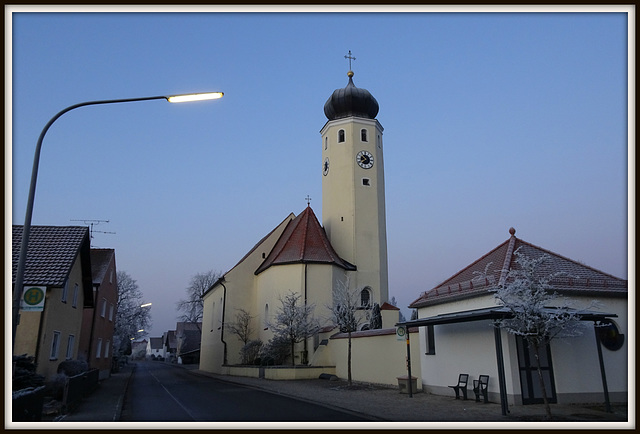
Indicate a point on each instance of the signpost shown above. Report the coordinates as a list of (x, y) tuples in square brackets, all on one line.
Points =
[(33, 298)]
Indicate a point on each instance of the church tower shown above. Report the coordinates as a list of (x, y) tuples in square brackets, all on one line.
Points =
[(353, 199)]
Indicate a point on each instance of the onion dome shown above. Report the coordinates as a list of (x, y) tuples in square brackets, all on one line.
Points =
[(351, 101)]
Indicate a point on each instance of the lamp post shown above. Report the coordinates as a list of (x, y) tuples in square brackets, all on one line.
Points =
[(26, 229)]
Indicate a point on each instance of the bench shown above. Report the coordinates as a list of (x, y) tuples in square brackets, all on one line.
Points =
[(480, 387), (461, 386)]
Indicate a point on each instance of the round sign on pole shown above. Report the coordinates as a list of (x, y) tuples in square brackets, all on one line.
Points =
[(33, 298), (401, 333)]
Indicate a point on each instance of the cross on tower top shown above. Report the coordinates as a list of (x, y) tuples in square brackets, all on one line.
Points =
[(350, 57), (308, 199)]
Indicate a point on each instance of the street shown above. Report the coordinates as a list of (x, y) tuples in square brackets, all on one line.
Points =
[(159, 392)]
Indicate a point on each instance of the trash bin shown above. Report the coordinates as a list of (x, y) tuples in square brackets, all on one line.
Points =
[(403, 384)]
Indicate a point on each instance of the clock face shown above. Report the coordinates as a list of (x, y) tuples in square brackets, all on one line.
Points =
[(325, 166), (365, 159)]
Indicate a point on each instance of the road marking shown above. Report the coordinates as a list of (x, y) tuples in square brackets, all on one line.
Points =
[(172, 397)]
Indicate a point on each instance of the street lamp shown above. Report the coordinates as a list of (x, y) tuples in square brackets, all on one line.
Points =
[(26, 229)]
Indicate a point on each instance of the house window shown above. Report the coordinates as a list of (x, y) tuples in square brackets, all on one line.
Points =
[(365, 298), (111, 312), (430, 341), (213, 316), (99, 348), (65, 290), (75, 295), (266, 316), (363, 135), (70, 342), (341, 136), (111, 276), (55, 345), (106, 349), (103, 308)]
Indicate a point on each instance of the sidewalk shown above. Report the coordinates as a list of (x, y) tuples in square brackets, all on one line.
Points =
[(379, 403)]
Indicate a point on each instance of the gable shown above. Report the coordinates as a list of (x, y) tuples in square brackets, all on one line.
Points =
[(51, 254), (574, 278)]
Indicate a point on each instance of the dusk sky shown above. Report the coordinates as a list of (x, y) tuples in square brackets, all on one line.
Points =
[(491, 121)]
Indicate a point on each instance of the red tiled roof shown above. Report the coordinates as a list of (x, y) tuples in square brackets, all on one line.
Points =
[(388, 306), (51, 253), (303, 241), (574, 278)]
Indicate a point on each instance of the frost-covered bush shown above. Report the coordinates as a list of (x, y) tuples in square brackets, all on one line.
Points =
[(71, 368), (25, 373), (275, 351), (250, 352)]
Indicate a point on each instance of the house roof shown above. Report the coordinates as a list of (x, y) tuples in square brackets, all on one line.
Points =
[(388, 306), (189, 341), (155, 343), (573, 277), (100, 260), (303, 241), (51, 253), (170, 339)]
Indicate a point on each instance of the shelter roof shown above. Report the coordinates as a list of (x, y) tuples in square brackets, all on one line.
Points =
[(571, 277), (303, 241)]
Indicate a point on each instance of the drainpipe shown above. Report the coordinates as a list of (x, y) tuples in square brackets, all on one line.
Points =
[(224, 306)]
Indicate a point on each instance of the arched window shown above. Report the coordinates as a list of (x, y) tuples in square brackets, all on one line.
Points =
[(213, 315), (266, 316), (363, 135), (341, 136), (379, 141), (326, 142), (365, 298)]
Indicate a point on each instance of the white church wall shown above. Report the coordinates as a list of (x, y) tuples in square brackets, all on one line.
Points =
[(376, 356)]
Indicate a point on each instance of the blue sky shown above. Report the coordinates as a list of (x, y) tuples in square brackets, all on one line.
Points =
[(491, 120)]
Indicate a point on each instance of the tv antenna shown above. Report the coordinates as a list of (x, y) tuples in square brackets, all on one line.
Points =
[(91, 223)]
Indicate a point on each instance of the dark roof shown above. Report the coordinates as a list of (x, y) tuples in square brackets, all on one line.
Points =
[(303, 241), (574, 277), (100, 260), (51, 254), (155, 343), (351, 101), (189, 341)]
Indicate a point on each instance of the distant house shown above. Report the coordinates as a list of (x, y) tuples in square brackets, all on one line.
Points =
[(139, 349), (96, 345), (188, 336), (155, 348), (457, 334), (170, 344), (58, 287)]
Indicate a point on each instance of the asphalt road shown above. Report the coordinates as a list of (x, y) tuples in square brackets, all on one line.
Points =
[(158, 392)]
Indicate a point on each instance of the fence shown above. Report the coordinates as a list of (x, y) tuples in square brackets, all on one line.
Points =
[(79, 386), (27, 405)]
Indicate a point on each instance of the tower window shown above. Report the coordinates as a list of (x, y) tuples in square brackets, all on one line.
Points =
[(365, 298), (326, 142), (363, 135), (379, 141), (365, 181), (341, 136)]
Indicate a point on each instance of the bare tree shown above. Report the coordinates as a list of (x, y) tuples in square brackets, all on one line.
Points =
[(343, 310), (241, 327), (190, 309), (294, 322), (538, 314), (130, 315)]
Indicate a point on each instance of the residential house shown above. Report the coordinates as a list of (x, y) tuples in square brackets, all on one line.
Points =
[(58, 287), (155, 348), (457, 333), (170, 345), (188, 336), (96, 346)]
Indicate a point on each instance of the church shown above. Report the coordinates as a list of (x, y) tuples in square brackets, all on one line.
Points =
[(310, 259)]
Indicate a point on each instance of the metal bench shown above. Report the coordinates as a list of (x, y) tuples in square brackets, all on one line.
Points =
[(480, 387), (461, 386)]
